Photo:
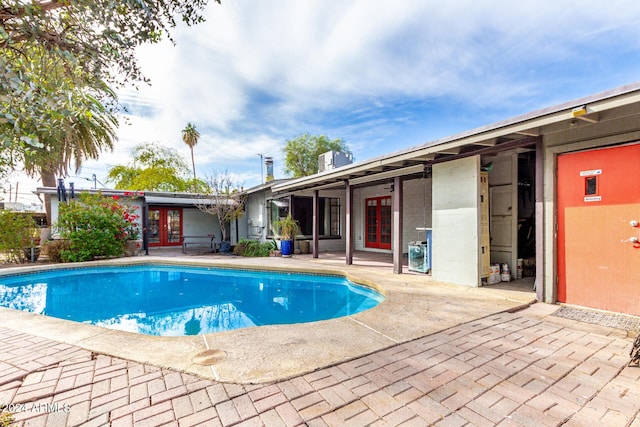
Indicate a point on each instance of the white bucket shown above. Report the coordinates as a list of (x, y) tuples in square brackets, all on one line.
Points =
[(505, 274), (494, 274), (519, 268)]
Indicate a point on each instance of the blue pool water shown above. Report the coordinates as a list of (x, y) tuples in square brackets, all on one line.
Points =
[(174, 301)]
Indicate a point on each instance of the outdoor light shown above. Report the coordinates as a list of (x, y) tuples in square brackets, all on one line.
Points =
[(584, 114), (579, 111)]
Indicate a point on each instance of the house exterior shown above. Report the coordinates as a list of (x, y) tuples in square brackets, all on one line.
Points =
[(554, 191), (169, 218)]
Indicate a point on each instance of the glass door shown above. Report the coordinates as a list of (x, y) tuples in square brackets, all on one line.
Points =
[(165, 226), (174, 226), (378, 220)]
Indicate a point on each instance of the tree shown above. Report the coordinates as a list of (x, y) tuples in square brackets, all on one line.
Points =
[(96, 38), (224, 199), (190, 136), (64, 133), (39, 94), (154, 168), (301, 153)]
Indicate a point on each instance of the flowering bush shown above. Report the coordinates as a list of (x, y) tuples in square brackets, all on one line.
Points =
[(95, 226), (132, 229)]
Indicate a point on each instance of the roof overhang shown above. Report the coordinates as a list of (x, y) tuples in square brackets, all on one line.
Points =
[(149, 197), (521, 131)]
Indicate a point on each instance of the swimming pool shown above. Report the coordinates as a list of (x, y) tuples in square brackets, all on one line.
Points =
[(171, 300)]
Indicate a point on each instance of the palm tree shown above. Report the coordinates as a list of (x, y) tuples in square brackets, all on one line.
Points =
[(79, 125), (190, 136), (77, 138)]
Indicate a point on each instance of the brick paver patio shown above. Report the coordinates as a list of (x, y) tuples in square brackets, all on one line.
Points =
[(509, 369)]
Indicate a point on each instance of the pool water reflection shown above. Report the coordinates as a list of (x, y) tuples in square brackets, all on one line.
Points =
[(177, 300)]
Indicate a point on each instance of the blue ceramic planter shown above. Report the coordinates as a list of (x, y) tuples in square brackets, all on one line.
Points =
[(286, 247)]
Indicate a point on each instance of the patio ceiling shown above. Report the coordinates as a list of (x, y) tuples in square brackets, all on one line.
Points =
[(522, 131)]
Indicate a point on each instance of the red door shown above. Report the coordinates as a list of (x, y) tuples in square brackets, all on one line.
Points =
[(165, 226), (598, 200), (378, 220)]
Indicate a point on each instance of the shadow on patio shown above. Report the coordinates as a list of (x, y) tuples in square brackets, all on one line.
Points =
[(361, 260)]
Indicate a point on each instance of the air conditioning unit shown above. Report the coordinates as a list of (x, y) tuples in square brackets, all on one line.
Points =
[(420, 255), (333, 159)]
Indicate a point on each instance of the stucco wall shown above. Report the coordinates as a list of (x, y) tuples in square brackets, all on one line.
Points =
[(198, 223), (455, 221)]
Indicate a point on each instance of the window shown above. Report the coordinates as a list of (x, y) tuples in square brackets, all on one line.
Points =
[(591, 186), (278, 209), (328, 214)]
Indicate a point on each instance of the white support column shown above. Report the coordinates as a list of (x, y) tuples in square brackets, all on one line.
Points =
[(316, 226), (349, 224), (539, 280), (396, 231)]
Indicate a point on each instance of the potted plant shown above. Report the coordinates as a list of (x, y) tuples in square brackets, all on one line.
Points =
[(287, 229)]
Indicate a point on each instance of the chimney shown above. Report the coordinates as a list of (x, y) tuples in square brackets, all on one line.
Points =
[(268, 161)]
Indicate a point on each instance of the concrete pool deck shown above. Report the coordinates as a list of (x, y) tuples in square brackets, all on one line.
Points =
[(414, 306)]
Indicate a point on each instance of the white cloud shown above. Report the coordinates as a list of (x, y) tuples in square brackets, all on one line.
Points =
[(379, 74)]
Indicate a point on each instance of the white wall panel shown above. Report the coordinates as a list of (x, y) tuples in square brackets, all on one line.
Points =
[(456, 221)]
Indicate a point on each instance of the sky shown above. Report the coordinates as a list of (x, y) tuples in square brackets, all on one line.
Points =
[(381, 75)]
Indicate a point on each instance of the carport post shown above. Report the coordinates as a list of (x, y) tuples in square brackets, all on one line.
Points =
[(539, 228), (349, 225), (316, 230), (396, 231)]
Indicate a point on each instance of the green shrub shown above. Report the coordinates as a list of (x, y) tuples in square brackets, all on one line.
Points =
[(252, 248), (17, 231), (95, 226), (6, 418)]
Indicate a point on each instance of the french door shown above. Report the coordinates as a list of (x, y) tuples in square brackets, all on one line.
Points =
[(165, 226), (378, 220)]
